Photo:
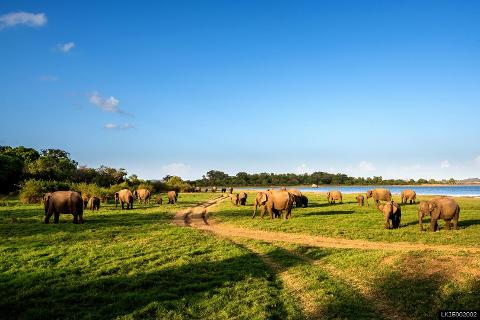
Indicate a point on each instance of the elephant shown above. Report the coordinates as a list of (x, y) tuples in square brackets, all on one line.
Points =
[(206, 189), (439, 208), (230, 190), (391, 211), (197, 189), (94, 203), (379, 194), (275, 202), (159, 199), (224, 190), (85, 200), (214, 189), (142, 194), (69, 202), (360, 200), (242, 198), (172, 197), (408, 195), (298, 198), (235, 198), (333, 196), (124, 196)]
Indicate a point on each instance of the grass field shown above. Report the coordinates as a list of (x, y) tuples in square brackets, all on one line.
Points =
[(136, 264)]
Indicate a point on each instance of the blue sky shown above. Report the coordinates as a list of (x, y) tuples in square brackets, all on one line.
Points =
[(388, 88)]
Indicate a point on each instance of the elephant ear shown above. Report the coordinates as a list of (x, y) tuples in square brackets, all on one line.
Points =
[(432, 206), (263, 198), (394, 207)]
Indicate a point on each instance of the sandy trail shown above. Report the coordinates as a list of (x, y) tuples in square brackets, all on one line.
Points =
[(197, 217)]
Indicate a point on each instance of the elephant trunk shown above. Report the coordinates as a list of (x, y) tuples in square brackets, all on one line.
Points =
[(420, 221)]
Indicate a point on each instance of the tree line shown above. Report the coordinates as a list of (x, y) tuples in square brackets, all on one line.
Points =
[(219, 178), (54, 169)]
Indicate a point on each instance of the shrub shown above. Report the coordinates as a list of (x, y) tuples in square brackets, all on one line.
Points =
[(33, 190)]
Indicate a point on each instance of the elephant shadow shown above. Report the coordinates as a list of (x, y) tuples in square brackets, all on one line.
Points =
[(462, 224), (318, 205), (328, 213)]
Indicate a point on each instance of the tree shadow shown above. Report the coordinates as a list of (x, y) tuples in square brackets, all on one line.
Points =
[(415, 289), (174, 292)]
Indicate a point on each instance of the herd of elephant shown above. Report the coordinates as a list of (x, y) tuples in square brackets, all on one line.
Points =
[(278, 201), (72, 202), (275, 202)]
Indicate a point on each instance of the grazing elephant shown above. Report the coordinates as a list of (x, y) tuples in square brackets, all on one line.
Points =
[(142, 195), (69, 202), (242, 198), (206, 189), (379, 194), (224, 190), (298, 198), (234, 198), (197, 189), (333, 196), (275, 202), (391, 211), (172, 197), (439, 208), (158, 199), (85, 200), (94, 203), (408, 195), (214, 189), (230, 190), (360, 200), (124, 196)]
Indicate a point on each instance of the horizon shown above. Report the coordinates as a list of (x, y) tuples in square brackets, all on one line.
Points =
[(364, 89)]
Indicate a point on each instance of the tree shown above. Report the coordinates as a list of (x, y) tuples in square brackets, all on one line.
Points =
[(53, 164), (11, 171), (27, 155)]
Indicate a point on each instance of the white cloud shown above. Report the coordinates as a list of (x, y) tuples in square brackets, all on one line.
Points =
[(22, 18), (445, 164), (177, 169), (48, 78), (303, 168), (65, 47), (106, 104), (366, 166), (113, 126)]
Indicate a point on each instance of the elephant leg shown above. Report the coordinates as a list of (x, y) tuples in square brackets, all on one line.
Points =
[(75, 218), (447, 224), (455, 222), (433, 225), (47, 217), (80, 217), (387, 223), (56, 217)]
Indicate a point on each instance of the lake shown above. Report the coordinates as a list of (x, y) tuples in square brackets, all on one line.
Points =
[(454, 190)]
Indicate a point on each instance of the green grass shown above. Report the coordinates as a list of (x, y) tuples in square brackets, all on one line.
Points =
[(129, 264), (136, 264), (350, 221)]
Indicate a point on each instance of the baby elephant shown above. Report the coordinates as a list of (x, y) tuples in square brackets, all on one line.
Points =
[(159, 199), (242, 198), (360, 200), (234, 198), (94, 203), (391, 211)]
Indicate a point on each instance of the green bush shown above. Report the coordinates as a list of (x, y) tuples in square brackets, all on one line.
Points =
[(33, 190)]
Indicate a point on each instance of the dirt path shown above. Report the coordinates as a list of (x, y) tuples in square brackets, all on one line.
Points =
[(198, 217)]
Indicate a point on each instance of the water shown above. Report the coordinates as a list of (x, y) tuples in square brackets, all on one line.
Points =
[(454, 190)]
